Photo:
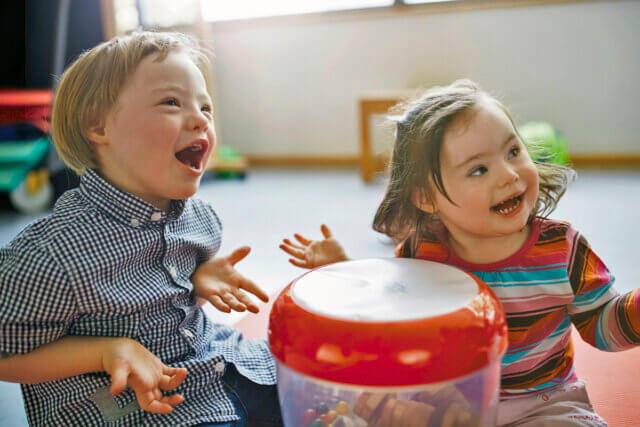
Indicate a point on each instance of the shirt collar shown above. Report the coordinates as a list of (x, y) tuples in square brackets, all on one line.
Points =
[(122, 206)]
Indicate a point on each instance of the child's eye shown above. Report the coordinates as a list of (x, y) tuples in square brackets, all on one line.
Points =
[(514, 152), (207, 109), (170, 101), (480, 170)]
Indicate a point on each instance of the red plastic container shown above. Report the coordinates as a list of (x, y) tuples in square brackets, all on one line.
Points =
[(388, 342)]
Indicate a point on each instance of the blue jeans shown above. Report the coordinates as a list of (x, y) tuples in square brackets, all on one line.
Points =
[(257, 405)]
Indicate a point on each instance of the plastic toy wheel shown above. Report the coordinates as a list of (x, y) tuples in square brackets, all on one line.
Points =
[(34, 194)]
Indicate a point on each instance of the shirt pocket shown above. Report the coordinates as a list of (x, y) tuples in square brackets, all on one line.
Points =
[(113, 408)]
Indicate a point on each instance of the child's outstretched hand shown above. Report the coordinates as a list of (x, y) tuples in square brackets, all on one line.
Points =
[(130, 363), (314, 253), (219, 283)]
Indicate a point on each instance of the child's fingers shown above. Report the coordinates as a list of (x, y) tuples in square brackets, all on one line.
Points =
[(157, 407), (119, 377), (326, 232), (217, 302), (251, 287), (164, 404), (153, 401), (297, 263), (298, 253), (238, 254), (173, 400), (171, 378), (161, 402), (302, 239), (294, 245), (233, 302), (244, 299)]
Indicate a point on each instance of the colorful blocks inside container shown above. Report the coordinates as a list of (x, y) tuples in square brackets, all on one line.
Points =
[(308, 416), (322, 408), (342, 408), (318, 423)]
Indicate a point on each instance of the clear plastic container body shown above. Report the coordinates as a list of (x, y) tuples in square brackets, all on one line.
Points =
[(467, 401)]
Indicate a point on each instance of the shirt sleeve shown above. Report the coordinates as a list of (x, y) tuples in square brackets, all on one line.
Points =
[(604, 319), (36, 304)]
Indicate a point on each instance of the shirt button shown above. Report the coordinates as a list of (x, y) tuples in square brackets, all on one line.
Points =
[(156, 216), (188, 333), (219, 367), (173, 272), (135, 222)]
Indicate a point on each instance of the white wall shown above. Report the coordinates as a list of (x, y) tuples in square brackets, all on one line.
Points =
[(293, 89)]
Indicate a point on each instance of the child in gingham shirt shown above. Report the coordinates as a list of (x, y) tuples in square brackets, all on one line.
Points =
[(98, 316)]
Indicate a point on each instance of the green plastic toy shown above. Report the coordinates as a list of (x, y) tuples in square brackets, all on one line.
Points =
[(24, 148), (548, 145), (229, 163), (22, 177)]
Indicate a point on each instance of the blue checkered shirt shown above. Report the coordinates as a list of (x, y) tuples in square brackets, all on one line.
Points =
[(106, 263)]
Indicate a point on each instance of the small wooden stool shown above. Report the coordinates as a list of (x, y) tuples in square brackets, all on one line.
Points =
[(375, 103)]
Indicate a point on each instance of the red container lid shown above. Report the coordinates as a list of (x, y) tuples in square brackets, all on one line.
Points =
[(387, 322)]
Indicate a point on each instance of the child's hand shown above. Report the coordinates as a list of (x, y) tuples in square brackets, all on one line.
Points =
[(219, 283), (314, 253), (130, 363)]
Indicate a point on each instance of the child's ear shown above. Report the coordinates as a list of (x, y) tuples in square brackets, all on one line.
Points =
[(97, 131), (421, 201)]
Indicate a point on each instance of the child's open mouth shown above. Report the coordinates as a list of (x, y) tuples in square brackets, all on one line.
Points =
[(508, 206), (192, 155)]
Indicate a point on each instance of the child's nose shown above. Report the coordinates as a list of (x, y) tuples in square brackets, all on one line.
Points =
[(198, 122), (509, 175)]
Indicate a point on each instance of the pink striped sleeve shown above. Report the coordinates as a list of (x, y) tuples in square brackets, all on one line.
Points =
[(604, 319)]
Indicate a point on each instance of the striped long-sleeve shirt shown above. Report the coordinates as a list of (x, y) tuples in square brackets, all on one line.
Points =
[(554, 280)]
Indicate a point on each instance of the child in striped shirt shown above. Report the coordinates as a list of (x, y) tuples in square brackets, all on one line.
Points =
[(464, 191)]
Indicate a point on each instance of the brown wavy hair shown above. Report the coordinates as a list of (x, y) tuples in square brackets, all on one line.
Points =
[(420, 128)]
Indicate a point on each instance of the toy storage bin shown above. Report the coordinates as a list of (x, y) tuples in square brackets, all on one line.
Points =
[(24, 148), (388, 342)]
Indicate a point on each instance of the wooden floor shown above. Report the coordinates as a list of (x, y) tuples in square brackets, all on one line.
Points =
[(271, 204)]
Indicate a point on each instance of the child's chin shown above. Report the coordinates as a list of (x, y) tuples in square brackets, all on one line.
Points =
[(184, 193)]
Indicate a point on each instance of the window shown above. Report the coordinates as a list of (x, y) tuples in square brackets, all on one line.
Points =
[(169, 13), (214, 10), (131, 14), (221, 10), (423, 1)]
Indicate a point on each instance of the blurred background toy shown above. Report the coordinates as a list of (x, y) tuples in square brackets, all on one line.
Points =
[(30, 172), (226, 162), (24, 149), (548, 145)]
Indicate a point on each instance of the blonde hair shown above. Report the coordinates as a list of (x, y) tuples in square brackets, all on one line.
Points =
[(89, 88), (420, 130)]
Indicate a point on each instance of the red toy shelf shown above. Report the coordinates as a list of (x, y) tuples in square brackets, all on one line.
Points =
[(33, 105)]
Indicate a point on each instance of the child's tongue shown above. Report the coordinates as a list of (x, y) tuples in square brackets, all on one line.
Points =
[(188, 157)]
